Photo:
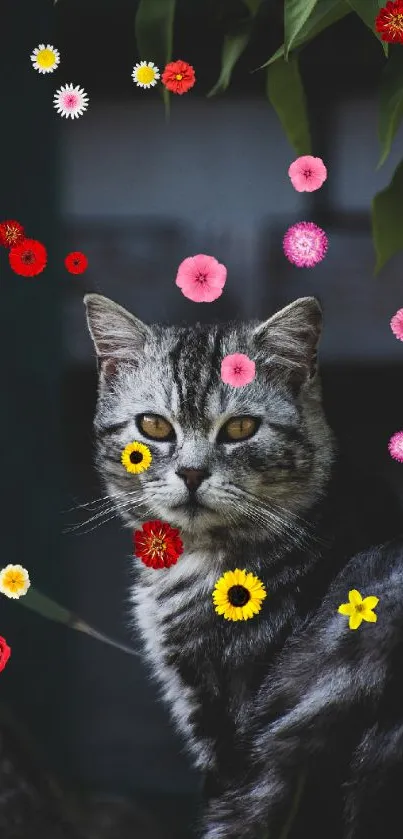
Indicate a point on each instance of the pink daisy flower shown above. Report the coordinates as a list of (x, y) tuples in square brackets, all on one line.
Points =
[(307, 173), (395, 446), (70, 101), (305, 244), (396, 325), (237, 370), (201, 278)]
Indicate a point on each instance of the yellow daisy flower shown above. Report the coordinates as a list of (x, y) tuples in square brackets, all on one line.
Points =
[(359, 610), (14, 581), (136, 457), (145, 74), (238, 595), (45, 59)]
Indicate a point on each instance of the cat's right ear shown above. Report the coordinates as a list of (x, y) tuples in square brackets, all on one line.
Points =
[(117, 335)]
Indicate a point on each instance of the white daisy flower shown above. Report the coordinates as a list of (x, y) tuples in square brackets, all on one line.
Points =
[(45, 59), (145, 74), (70, 101)]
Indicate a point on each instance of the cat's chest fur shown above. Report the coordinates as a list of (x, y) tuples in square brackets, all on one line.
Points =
[(202, 662), (168, 603)]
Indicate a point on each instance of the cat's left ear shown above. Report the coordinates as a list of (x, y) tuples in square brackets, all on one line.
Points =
[(288, 341), (117, 334)]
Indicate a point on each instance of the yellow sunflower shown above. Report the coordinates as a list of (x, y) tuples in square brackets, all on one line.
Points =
[(136, 457), (238, 595), (14, 581)]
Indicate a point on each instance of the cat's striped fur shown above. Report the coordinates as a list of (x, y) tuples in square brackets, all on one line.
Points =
[(279, 505)]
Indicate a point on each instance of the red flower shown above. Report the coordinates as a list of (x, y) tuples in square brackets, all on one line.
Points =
[(11, 233), (158, 544), (178, 77), (390, 22), (76, 262), (28, 258), (5, 653)]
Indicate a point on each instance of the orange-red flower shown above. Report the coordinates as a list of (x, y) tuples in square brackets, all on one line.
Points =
[(28, 258), (158, 544), (178, 77), (5, 653), (76, 262), (389, 22), (11, 233)]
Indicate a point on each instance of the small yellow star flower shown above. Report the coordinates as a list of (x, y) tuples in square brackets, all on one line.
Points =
[(14, 581), (136, 457), (359, 610)]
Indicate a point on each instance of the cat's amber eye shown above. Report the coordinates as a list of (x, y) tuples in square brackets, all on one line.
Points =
[(155, 427), (237, 429)]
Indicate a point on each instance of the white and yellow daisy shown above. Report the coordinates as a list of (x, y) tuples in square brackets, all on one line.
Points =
[(14, 581), (145, 74), (45, 59), (70, 101)]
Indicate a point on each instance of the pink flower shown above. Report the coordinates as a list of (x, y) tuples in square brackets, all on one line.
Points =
[(307, 173), (201, 278), (396, 325), (237, 370), (305, 244), (395, 446)]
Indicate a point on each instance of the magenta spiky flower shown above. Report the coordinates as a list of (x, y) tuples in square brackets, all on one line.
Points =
[(305, 244), (395, 446), (396, 325)]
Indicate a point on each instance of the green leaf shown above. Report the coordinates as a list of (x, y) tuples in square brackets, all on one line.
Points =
[(286, 93), (154, 34), (253, 6), (235, 43), (368, 10), (390, 103), (326, 13), (233, 48), (387, 214), (296, 14), (48, 608)]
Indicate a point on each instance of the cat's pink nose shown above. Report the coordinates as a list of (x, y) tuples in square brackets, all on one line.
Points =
[(193, 477)]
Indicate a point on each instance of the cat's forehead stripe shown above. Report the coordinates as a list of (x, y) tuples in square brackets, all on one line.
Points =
[(196, 361)]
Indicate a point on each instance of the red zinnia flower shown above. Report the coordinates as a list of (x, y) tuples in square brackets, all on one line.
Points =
[(76, 262), (390, 22), (28, 258), (158, 544), (11, 233), (5, 653), (178, 77)]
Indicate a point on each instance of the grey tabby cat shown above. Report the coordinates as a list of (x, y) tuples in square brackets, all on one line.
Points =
[(251, 477)]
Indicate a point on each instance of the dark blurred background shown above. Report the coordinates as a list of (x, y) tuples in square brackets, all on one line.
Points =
[(137, 194)]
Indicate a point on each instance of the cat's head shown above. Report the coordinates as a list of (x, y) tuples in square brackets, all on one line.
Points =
[(248, 459)]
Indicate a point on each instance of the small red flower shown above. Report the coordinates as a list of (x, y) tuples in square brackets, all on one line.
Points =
[(178, 77), (76, 262), (5, 652), (158, 544), (389, 22), (11, 233), (28, 258)]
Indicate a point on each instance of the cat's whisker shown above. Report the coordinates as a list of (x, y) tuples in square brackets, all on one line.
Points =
[(270, 520), (113, 507), (83, 504)]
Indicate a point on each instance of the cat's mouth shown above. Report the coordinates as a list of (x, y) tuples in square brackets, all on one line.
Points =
[(192, 505)]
